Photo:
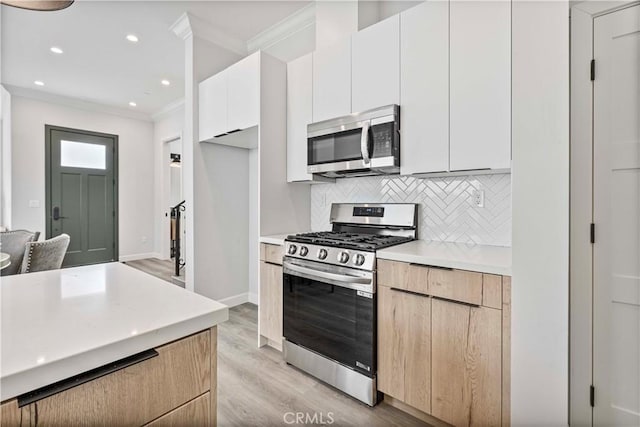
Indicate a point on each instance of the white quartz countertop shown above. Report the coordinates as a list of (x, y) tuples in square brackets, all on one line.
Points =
[(277, 239), (60, 323), (481, 258)]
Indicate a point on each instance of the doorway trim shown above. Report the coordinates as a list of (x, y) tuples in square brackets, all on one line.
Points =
[(165, 241), (47, 177), (581, 206)]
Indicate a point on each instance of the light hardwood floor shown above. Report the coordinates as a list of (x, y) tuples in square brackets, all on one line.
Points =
[(257, 388)]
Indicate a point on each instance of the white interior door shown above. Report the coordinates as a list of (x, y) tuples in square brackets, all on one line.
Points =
[(616, 194)]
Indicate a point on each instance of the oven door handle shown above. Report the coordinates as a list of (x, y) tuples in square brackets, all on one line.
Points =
[(364, 143), (329, 276)]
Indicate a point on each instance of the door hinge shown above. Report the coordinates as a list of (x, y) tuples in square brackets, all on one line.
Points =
[(593, 69), (592, 396), (592, 233)]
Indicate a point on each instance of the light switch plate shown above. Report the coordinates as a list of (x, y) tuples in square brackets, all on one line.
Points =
[(34, 203)]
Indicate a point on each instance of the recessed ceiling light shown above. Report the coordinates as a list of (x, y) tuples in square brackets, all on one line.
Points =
[(38, 83), (165, 82), (132, 38), (55, 49), (132, 104)]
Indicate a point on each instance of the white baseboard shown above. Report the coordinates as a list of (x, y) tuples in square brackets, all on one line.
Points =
[(235, 300), (136, 257), (253, 298)]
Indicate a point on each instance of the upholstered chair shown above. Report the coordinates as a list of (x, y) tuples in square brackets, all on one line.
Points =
[(14, 243), (45, 255)]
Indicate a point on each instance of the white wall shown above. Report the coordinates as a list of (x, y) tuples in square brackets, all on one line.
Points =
[(135, 167), (5, 158), (540, 185), (165, 126)]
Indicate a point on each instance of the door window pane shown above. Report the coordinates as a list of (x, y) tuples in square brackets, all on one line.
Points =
[(82, 155)]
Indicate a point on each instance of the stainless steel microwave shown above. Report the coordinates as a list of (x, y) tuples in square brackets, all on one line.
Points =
[(361, 144)]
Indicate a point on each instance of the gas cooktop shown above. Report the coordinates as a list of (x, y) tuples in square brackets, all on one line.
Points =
[(356, 241)]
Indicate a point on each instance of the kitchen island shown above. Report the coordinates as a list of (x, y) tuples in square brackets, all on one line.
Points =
[(106, 344)]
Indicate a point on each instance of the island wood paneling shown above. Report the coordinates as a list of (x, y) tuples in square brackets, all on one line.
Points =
[(195, 413), (139, 393)]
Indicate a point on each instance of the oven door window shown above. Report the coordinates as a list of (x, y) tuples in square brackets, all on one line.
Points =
[(331, 320), (338, 147)]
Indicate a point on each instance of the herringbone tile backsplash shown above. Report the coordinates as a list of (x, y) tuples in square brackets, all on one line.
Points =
[(447, 212)]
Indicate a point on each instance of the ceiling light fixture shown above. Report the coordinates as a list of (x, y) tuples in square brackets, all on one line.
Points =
[(132, 104), (44, 5), (132, 38), (56, 49), (165, 82), (38, 83)]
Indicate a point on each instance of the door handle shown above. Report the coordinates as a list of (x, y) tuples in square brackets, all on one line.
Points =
[(56, 214), (364, 142)]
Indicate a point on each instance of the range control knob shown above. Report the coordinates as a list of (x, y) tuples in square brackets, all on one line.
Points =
[(292, 249), (359, 260), (304, 251), (343, 257), (322, 254)]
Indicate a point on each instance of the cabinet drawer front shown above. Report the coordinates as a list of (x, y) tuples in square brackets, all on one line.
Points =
[(139, 393), (271, 253), (194, 413), (403, 275), (456, 285)]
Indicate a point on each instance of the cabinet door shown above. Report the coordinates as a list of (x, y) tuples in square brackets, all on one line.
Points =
[(195, 413), (270, 308), (244, 93), (480, 106), (212, 109), (466, 355), (375, 63), (404, 346), (299, 115), (424, 88), (332, 81)]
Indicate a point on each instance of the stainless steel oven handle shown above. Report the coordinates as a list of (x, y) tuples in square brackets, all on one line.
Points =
[(364, 142), (329, 276)]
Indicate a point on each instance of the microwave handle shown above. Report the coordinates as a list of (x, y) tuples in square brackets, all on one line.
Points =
[(364, 142)]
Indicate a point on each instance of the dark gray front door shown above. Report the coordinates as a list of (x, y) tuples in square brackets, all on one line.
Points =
[(81, 199)]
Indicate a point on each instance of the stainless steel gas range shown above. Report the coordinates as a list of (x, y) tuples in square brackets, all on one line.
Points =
[(329, 294)]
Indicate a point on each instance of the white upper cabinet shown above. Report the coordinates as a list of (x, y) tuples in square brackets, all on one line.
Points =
[(424, 88), (230, 100), (480, 85), (213, 106), (332, 81), (299, 115), (244, 93), (375, 63)]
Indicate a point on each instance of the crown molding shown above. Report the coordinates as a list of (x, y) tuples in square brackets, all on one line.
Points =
[(76, 103), (284, 29), (168, 109), (189, 25)]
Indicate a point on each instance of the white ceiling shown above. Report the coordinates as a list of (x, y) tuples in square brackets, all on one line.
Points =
[(100, 66)]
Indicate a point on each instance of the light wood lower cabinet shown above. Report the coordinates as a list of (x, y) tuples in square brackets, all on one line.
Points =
[(466, 352), (444, 350), (404, 359), (184, 370), (270, 308)]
